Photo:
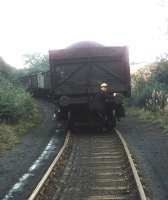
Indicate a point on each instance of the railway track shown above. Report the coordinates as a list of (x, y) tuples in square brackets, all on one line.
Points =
[(91, 166)]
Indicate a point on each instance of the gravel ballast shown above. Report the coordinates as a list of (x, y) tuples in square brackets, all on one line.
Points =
[(149, 146), (28, 160)]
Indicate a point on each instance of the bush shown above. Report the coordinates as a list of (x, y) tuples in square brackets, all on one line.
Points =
[(8, 137), (149, 87), (15, 102)]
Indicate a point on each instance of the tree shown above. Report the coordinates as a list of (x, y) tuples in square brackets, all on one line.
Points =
[(36, 62), (159, 71), (150, 86)]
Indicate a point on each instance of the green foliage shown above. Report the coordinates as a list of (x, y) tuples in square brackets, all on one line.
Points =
[(150, 86), (8, 136), (15, 102), (18, 111), (10, 133), (160, 118), (36, 62), (160, 72)]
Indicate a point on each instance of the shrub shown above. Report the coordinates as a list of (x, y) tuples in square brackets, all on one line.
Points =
[(149, 87), (15, 102)]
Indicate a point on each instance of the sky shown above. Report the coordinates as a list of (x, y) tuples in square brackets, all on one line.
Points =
[(29, 26)]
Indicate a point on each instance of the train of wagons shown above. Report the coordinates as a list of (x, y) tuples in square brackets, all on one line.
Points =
[(87, 82)]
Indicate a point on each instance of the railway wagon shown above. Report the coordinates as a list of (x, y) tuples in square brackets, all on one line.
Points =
[(88, 81), (38, 84)]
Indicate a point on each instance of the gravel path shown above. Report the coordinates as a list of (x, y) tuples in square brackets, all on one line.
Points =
[(40, 144), (149, 145)]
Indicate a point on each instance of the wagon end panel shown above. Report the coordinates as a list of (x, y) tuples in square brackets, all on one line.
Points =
[(75, 74)]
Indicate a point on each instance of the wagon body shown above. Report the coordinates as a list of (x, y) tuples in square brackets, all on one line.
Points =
[(74, 80), (40, 80), (79, 71)]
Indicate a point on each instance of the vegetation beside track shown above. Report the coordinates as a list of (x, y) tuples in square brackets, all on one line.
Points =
[(150, 92), (10, 133), (15, 124), (18, 110), (160, 118)]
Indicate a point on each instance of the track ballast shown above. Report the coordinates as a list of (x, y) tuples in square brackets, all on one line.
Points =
[(97, 168)]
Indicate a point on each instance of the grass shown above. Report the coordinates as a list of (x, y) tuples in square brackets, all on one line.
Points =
[(11, 133), (155, 117)]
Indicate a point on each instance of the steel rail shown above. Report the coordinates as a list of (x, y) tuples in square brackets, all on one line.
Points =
[(39, 191), (134, 170), (44, 179)]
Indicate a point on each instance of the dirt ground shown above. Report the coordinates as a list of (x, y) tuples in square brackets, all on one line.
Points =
[(18, 161), (149, 145)]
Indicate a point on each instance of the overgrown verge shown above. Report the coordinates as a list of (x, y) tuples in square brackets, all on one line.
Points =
[(10, 134), (18, 113), (160, 118), (150, 92)]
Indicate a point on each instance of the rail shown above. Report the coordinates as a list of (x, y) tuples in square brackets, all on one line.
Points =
[(104, 152), (40, 189), (134, 170)]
